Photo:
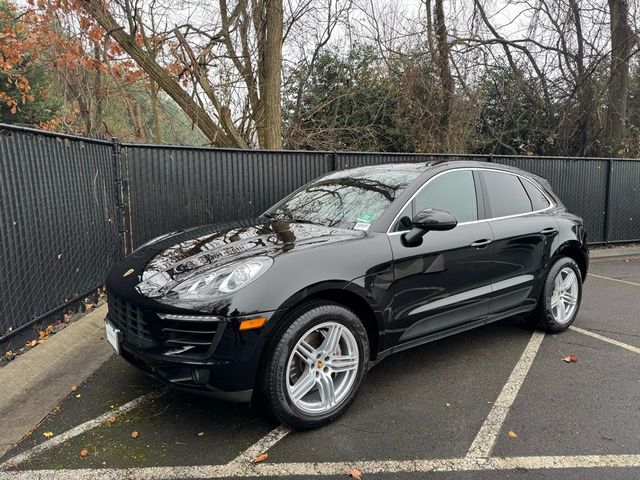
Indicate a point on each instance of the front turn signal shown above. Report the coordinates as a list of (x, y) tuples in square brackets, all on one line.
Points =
[(253, 323)]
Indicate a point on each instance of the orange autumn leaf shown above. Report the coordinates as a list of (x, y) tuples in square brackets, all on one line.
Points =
[(261, 458), (355, 473), (84, 452), (570, 359), (134, 434)]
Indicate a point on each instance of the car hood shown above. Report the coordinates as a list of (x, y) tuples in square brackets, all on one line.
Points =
[(183, 254)]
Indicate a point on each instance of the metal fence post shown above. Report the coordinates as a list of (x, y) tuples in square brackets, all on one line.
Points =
[(334, 161), (116, 155), (607, 202)]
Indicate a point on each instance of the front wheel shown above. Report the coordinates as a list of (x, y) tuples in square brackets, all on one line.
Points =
[(561, 296), (316, 366)]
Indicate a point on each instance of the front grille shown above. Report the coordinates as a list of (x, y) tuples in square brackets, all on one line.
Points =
[(130, 320), (190, 336)]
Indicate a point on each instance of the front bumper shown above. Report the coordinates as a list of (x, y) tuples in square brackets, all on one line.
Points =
[(198, 379), (201, 354)]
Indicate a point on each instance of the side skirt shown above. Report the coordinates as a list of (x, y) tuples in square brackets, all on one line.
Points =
[(452, 331)]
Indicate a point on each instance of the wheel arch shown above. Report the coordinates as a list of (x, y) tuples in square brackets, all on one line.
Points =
[(346, 294), (575, 250)]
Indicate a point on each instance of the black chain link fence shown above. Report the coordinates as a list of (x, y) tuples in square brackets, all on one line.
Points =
[(71, 206)]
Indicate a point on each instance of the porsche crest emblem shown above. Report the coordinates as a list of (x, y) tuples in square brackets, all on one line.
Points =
[(128, 272)]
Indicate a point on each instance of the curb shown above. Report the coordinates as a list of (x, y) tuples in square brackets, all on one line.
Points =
[(614, 252), (36, 381)]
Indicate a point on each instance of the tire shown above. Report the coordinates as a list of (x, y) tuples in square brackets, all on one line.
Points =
[(547, 315), (285, 368)]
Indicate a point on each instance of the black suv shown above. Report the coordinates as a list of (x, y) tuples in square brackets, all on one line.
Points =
[(295, 306)]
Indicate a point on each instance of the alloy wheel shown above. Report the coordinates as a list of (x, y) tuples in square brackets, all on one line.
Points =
[(564, 298), (322, 368)]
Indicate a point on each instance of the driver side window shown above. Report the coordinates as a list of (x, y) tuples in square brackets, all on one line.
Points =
[(454, 192)]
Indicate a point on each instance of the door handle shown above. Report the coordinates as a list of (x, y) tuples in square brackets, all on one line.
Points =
[(548, 231), (481, 243)]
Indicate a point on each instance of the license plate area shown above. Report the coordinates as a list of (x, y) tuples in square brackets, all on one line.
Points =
[(114, 336)]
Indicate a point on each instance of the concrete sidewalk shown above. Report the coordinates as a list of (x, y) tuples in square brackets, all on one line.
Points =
[(35, 382)]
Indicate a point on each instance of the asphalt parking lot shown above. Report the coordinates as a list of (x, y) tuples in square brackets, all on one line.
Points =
[(496, 401)]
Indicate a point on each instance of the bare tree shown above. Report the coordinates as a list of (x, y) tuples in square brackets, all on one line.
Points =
[(622, 39), (245, 46), (443, 65)]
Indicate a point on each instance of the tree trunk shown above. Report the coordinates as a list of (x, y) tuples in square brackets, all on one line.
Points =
[(270, 69), (444, 68), (155, 111), (587, 130), (195, 112), (621, 47)]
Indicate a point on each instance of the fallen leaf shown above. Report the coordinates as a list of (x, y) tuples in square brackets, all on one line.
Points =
[(42, 334), (355, 473), (78, 395), (32, 343), (74, 388), (447, 404), (570, 359), (112, 419), (84, 452), (48, 434), (134, 434), (512, 434), (261, 458), (200, 434)]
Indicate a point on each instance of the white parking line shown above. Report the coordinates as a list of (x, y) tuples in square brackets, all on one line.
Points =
[(486, 438), (80, 429), (614, 279), (333, 468), (262, 445), (612, 341)]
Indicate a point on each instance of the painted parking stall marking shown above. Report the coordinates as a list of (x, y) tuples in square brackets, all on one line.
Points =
[(79, 430), (231, 470), (614, 279), (612, 341), (486, 438)]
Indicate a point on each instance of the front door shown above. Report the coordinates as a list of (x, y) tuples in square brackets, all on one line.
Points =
[(446, 281)]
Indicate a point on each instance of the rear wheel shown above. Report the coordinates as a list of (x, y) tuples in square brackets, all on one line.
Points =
[(316, 366), (561, 296)]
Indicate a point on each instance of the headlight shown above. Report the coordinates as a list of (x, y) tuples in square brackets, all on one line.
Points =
[(227, 279)]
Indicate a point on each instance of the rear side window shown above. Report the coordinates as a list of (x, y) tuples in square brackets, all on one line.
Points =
[(454, 192), (507, 195), (538, 200)]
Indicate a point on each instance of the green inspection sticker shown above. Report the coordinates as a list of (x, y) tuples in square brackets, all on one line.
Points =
[(365, 217)]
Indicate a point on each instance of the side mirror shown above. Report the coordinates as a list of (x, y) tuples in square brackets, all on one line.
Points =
[(427, 220)]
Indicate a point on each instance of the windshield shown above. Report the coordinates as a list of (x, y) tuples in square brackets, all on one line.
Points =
[(347, 199)]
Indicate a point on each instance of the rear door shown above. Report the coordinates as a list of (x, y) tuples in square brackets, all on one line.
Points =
[(523, 233), (445, 281)]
